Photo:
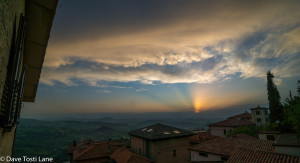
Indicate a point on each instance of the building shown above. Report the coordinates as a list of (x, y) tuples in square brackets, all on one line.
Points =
[(221, 149), (123, 155), (201, 136), (94, 153), (287, 143), (222, 128), (161, 143), (24, 30), (260, 116), (90, 150), (113, 151), (242, 155), (268, 135)]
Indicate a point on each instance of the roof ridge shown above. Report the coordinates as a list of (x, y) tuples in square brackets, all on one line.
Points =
[(81, 154)]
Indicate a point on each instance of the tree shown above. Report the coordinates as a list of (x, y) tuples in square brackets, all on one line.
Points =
[(248, 130), (276, 108), (292, 113), (298, 90)]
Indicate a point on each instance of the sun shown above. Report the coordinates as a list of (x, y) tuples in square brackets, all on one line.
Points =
[(197, 106)]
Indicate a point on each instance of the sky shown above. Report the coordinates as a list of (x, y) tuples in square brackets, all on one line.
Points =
[(167, 56)]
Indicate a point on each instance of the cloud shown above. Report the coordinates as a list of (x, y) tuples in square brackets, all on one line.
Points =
[(206, 42), (142, 89), (106, 91), (147, 73)]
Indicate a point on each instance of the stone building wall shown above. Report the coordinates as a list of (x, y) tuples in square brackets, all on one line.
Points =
[(172, 150), (10, 11)]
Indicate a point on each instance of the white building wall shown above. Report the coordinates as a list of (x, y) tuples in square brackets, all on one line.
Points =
[(263, 116), (219, 131)]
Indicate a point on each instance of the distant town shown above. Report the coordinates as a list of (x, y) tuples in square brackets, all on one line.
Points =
[(239, 138)]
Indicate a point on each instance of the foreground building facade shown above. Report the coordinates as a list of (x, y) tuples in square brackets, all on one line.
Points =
[(161, 143), (24, 29)]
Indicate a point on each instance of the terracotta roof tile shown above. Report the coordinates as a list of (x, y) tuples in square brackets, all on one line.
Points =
[(232, 123), (245, 115), (84, 144), (95, 150), (80, 145), (202, 136), (123, 155), (226, 145), (241, 155)]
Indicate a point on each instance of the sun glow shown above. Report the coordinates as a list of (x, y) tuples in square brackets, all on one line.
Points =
[(197, 106)]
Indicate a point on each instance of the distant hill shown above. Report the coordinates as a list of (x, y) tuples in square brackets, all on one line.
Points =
[(106, 119), (106, 129), (51, 138)]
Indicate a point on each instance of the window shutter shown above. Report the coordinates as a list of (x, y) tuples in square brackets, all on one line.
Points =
[(14, 85)]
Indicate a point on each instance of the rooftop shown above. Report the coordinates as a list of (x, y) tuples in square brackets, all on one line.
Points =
[(99, 150), (233, 122), (159, 131), (84, 144), (239, 120), (123, 155), (202, 136), (226, 145), (242, 155), (245, 115), (259, 108), (95, 150)]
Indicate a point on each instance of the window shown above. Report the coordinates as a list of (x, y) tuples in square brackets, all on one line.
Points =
[(257, 112), (223, 158), (174, 153), (203, 154), (270, 137), (108, 149), (267, 119), (224, 131), (140, 151), (15, 78), (266, 112), (258, 120)]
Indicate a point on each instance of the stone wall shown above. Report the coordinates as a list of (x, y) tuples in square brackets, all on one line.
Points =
[(138, 144), (172, 150), (10, 11), (162, 151), (9, 14)]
